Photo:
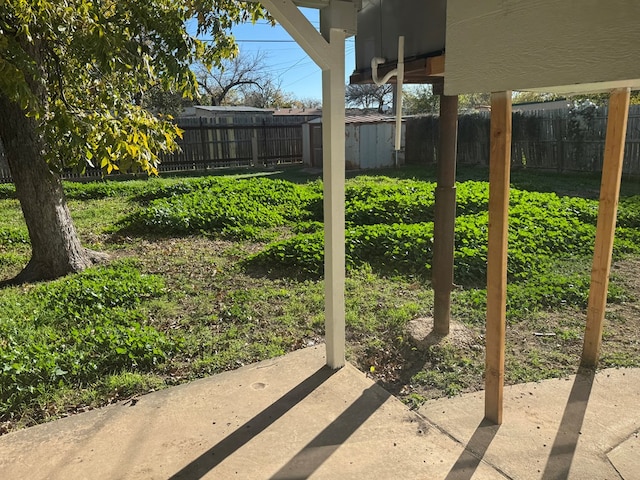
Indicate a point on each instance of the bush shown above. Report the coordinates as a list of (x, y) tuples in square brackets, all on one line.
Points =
[(99, 189), (392, 249), (375, 200)]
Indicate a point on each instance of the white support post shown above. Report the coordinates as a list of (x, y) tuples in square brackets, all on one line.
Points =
[(333, 160), (327, 50)]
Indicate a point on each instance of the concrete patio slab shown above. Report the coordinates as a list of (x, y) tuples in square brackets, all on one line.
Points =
[(286, 418), (293, 418), (555, 429), (625, 458)]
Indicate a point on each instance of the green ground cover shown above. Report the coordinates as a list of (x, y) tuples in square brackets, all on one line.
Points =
[(210, 273)]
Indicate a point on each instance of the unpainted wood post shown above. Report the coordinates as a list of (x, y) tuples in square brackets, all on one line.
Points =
[(445, 215), (605, 228), (499, 175)]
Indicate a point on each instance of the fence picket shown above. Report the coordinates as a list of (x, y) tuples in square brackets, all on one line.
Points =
[(542, 139), (210, 143)]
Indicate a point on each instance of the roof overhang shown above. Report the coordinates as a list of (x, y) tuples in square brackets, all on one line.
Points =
[(417, 70)]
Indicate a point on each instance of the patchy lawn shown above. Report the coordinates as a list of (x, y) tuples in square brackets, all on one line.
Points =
[(211, 273)]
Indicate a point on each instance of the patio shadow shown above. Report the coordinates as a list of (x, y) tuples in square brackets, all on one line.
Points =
[(468, 461), (564, 446), (318, 450), (252, 428)]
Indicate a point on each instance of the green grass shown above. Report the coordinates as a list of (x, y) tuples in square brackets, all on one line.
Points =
[(210, 273)]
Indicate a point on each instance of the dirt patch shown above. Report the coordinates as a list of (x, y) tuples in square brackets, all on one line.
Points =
[(420, 333)]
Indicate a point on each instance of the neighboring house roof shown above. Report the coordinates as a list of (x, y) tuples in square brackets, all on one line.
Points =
[(307, 112), (233, 109), (209, 110)]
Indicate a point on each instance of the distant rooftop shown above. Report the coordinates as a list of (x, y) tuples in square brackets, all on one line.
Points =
[(233, 109), (297, 111)]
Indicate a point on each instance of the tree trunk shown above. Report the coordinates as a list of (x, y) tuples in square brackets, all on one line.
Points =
[(55, 246)]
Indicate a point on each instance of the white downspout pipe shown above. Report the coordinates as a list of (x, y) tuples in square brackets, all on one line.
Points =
[(399, 73)]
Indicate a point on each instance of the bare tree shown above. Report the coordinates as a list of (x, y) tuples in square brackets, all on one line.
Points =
[(308, 103), (243, 70), (368, 95), (266, 95)]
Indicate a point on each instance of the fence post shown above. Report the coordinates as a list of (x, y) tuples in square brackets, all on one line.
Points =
[(254, 147), (203, 143)]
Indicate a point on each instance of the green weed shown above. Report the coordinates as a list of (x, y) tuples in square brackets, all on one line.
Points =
[(73, 331), (114, 332)]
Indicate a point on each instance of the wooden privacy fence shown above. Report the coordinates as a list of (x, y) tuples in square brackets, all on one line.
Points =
[(208, 143), (567, 140)]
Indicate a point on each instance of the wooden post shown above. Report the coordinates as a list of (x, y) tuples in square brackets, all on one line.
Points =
[(445, 215), (499, 174), (605, 229), (333, 145)]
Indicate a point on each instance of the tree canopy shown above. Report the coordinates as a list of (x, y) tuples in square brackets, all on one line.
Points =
[(368, 95), (83, 68), (245, 79), (420, 99), (75, 77)]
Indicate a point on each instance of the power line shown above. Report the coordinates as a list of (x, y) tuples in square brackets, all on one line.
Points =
[(210, 40)]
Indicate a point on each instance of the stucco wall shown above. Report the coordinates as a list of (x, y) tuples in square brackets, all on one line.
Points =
[(550, 45)]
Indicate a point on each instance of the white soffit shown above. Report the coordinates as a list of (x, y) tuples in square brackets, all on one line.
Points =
[(567, 46)]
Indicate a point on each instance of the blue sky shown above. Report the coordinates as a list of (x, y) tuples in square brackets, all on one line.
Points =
[(286, 61)]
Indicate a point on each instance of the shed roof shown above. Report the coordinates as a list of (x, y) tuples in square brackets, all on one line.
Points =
[(349, 119)]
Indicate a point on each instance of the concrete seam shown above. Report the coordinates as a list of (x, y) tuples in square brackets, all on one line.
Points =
[(481, 459), (634, 433), (620, 477)]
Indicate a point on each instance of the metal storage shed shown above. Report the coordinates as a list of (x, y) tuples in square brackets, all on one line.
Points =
[(369, 142)]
